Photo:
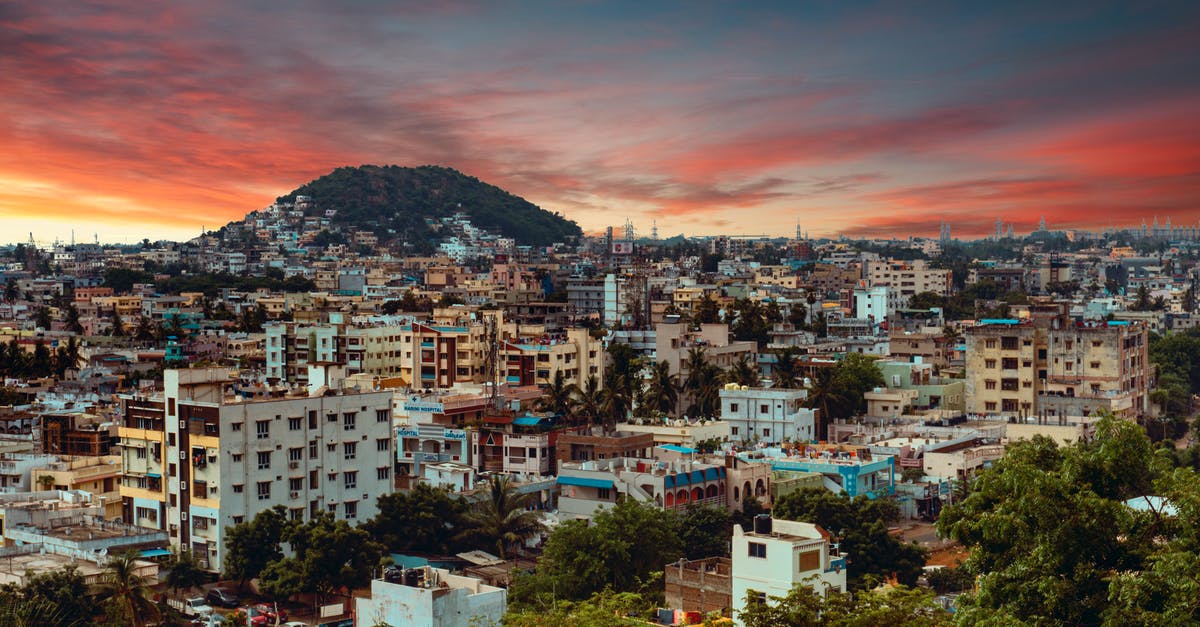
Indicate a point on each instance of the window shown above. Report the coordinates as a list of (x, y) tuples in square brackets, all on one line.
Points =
[(238, 488), (350, 479), (1070, 365), (237, 458), (764, 408), (383, 472), (348, 421), (1009, 343), (331, 417), (237, 520), (332, 448), (990, 406), (293, 424), (382, 415), (350, 450), (1008, 385), (312, 419), (989, 363), (1009, 363), (351, 509), (295, 454), (990, 384), (262, 429), (989, 343), (295, 484), (264, 490), (264, 460), (1009, 404), (733, 407), (767, 432), (237, 426), (382, 444), (1095, 365), (147, 513), (757, 549), (141, 453), (296, 513), (603, 494), (733, 431)]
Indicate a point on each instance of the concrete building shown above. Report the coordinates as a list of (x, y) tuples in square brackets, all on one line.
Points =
[(703, 585), (1025, 367), (207, 453), (767, 415), (871, 303), (595, 443), (674, 340), (431, 597), (906, 279), (776, 555), (587, 487)]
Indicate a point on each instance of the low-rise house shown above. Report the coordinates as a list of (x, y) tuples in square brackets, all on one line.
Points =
[(431, 597), (776, 555)]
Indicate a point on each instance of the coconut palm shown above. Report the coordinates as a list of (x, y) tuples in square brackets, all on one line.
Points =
[(129, 590), (662, 393), (501, 520), (588, 399), (557, 397), (706, 395), (742, 372), (824, 393), (787, 369), (615, 401)]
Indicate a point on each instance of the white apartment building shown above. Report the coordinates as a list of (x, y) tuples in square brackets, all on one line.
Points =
[(431, 597), (222, 454), (767, 414), (778, 554), (906, 278), (871, 303)]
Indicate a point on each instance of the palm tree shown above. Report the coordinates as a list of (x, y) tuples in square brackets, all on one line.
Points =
[(742, 372), (787, 369), (823, 394), (557, 397), (707, 395), (589, 398), (185, 574), (615, 401), (501, 520), (129, 590), (697, 374), (662, 394)]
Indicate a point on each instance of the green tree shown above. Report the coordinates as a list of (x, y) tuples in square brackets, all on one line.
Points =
[(326, 555), (705, 531), (603, 609), (662, 393), (706, 311), (558, 396), (861, 525), (118, 326), (251, 546), (588, 399), (501, 522), (129, 590), (1051, 539), (423, 519), (786, 369), (183, 572), (804, 607), (58, 598), (743, 372), (42, 318)]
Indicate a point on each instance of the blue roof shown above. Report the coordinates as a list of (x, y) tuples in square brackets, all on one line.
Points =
[(999, 321), (682, 479), (155, 552), (528, 421), (585, 482), (676, 448)]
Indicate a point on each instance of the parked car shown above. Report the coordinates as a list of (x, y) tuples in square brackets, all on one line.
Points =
[(223, 598), (268, 610)]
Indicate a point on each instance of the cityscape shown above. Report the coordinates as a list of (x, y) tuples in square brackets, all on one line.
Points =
[(458, 316)]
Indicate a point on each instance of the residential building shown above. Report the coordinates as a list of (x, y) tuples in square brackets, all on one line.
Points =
[(587, 487), (906, 279), (673, 341), (702, 585), (588, 444), (767, 414), (431, 597), (776, 555), (207, 453)]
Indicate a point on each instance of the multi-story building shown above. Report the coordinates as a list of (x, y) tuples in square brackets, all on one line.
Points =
[(1026, 367), (537, 361), (588, 487), (906, 279), (99, 476), (206, 454), (673, 341), (776, 555), (767, 414)]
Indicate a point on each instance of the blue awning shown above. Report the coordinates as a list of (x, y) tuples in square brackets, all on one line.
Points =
[(527, 421), (154, 475), (677, 449), (585, 482), (155, 552), (682, 479)]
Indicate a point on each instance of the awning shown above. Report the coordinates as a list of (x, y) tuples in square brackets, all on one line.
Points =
[(153, 475), (155, 552), (585, 482), (528, 421)]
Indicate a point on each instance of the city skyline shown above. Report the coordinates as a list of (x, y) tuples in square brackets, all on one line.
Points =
[(139, 120)]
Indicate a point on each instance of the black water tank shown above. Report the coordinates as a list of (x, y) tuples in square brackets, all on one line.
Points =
[(762, 524)]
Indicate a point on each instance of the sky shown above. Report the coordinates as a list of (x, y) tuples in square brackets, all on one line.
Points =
[(130, 119)]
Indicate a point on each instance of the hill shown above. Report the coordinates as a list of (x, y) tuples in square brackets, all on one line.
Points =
[(394, 201)]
